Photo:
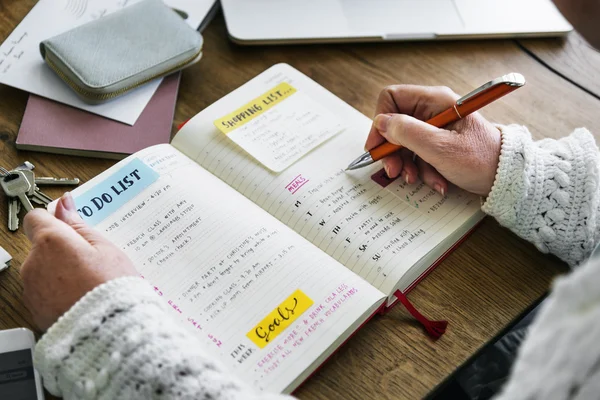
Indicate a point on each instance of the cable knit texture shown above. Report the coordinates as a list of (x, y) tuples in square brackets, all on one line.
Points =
[(547, 191), (120, 342), (560, 359)]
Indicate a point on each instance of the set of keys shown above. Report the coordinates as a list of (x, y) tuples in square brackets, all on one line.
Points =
[(21, 187)]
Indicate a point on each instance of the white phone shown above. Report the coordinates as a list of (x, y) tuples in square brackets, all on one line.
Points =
[(18, 379)]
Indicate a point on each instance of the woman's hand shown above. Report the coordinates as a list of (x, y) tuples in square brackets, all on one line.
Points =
[(465, 153), (67, 260)]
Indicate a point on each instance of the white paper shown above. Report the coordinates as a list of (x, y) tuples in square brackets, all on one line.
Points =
[(288, 131), (222, 264), (22, 66), (373, 230), (280, 127), (5, 259)]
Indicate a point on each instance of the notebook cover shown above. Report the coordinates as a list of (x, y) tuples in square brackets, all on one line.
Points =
[(53, 127)]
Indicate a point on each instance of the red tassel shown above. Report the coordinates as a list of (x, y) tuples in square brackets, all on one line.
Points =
[(435, 328)]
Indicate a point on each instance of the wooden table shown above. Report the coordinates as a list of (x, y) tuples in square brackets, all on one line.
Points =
[(480, 288), (572, 58)]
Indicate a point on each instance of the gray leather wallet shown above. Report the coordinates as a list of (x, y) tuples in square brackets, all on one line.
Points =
[(110, 56)]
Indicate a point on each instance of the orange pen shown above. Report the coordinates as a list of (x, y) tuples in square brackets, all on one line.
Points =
[(478, 98)]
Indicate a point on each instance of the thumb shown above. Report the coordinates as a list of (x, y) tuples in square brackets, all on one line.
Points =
[(66, 211), (38, 223), (427, 141)]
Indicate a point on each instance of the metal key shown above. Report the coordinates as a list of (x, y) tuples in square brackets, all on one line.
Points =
[(26, 165), (14, 206), (30, 178), (35, 194), (15, 184), (41, 196), (48, 180), (37, 199)]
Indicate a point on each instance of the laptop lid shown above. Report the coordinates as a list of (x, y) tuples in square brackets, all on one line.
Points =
[(284, 21)]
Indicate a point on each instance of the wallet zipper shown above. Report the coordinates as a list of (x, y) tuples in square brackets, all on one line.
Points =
[(106, 96)]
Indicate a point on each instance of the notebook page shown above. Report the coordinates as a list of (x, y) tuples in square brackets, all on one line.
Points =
[(376, 232), (258, 296)]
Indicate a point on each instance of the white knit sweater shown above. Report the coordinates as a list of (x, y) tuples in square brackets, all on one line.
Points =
[(547, 192), (119, 341)]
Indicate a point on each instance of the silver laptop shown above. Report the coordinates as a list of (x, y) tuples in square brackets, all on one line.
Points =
[(307, 21)]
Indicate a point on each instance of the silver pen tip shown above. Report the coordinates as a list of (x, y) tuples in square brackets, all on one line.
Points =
[(362, 161)]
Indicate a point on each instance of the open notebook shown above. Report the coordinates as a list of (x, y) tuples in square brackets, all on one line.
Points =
[(273, 270)]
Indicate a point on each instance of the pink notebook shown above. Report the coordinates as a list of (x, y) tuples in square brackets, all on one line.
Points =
[(52, 127)]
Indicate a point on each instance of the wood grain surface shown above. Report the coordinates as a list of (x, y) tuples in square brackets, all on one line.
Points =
[(480, 288), (572, 57)]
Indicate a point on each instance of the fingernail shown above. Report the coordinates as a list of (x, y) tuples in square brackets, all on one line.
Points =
[(381, 122), (406, 177), (438, 188), (387, 171), (68, 202)]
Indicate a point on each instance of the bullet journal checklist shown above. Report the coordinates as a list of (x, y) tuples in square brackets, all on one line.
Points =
[(249, 228)]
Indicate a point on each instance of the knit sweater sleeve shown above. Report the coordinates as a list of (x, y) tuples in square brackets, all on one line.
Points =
[(120, 342), (547, 192)]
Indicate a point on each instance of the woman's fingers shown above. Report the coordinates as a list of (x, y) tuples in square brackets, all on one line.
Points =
[(374, 139), (66, 210), (432, 178), (402, 164), (421, 102), (466, 153), (393, 165), (410, 171), (427, 141)]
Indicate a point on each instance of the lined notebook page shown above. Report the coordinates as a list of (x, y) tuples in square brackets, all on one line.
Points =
[(377, 232), (222, 265)]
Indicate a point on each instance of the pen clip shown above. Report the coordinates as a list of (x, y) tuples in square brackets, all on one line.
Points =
[(513, 79)]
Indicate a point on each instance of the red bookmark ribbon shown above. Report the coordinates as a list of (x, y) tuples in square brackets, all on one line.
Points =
[(435, 328)]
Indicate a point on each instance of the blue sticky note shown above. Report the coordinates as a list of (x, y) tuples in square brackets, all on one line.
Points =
[(108, 196)]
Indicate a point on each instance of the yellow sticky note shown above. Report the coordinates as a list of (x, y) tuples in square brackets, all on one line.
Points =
[(279, 319), (254, 108)]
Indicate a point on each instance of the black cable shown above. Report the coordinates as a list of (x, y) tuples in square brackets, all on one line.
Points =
[(554, 70)]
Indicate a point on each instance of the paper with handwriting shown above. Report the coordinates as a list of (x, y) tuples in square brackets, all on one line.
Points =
[(365, 224), (259, 297), (22, 66), (280, 126)]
